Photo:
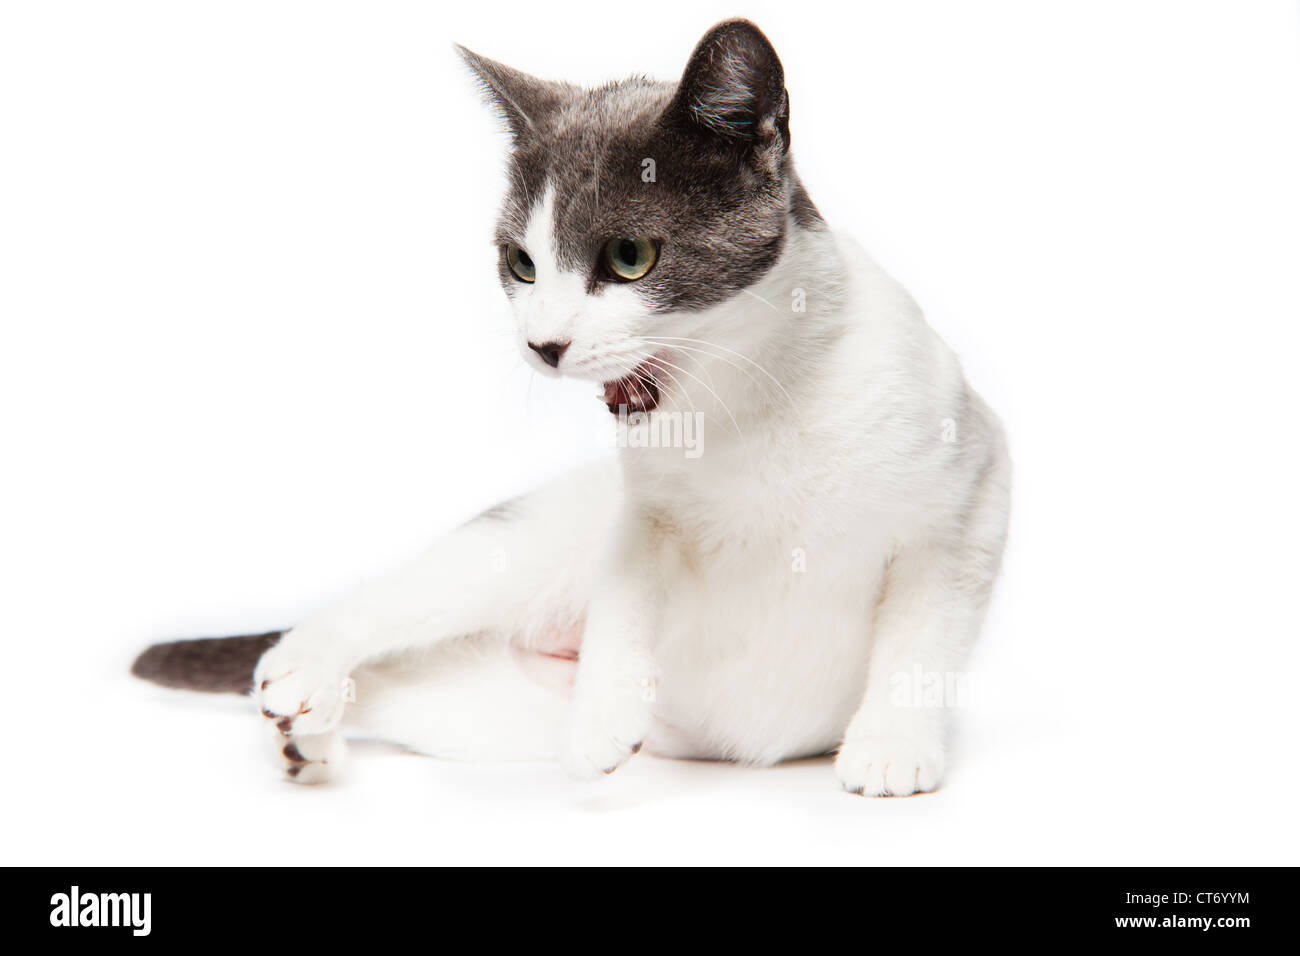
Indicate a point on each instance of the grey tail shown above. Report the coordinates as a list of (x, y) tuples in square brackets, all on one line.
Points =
[(218, 665)]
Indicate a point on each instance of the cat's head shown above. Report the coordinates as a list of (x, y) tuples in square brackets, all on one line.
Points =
[(636, 206)]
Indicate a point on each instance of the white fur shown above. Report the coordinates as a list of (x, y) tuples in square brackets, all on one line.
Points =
[(845, 525), (556, 308)]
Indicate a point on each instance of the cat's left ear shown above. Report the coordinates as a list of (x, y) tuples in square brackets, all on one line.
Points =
[(523, 101), (733, 90)]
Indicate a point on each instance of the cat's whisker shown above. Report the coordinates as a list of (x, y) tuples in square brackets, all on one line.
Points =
[(668, 343), (688, 350), (657, 359), (716, 396), (680, 391), (700, 364), (722, 358)]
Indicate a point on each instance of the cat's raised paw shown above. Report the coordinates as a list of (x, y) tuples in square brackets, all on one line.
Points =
[(889, 766), (297, 695)]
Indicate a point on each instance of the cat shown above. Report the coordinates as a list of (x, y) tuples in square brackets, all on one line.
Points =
[(758, 602)]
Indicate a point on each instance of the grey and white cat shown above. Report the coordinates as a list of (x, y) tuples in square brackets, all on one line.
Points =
[(755, 603)]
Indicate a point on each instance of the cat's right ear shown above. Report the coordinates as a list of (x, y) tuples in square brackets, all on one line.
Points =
[(522, 101), (733, 90)]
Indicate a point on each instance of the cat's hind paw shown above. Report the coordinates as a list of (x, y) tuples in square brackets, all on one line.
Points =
[(889, 766)]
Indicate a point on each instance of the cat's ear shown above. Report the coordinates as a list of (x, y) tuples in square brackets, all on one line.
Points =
[(733, 90), (523, 101)]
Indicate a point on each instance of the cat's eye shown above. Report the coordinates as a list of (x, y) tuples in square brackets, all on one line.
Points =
[(630, 258), (520, 264)]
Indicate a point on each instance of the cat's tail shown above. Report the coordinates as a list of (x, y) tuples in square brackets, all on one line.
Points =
[(218, 665)]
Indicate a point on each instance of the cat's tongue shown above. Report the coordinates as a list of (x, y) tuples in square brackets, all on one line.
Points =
[(635, 392)]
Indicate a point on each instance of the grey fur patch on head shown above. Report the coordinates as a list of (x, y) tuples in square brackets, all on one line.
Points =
[(700, 166), (516, 96)]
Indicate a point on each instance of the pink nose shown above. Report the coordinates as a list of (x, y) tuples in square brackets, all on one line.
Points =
[(550, 351)]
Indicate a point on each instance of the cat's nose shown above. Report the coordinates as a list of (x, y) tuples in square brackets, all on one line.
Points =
[(549, 351)]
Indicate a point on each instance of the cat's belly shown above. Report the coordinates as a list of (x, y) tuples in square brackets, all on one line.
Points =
[(762, 675)]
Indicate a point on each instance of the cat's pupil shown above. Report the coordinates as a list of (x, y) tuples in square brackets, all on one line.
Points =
[(523, 259), (627, 251)]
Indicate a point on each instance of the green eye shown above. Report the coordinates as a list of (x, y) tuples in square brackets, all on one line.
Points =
[(630, 258), (520, 264)]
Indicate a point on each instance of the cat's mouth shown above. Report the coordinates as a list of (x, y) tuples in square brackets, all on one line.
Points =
[(637, 391)]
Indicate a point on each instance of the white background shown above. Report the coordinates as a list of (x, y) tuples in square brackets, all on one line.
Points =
[(253, 350)]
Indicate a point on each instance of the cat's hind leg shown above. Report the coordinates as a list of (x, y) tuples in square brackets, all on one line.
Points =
[(518, 570), (480, 698)]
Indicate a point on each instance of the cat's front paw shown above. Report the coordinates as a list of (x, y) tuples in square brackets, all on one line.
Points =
[(301, 693), (889, 766), (603, 733)]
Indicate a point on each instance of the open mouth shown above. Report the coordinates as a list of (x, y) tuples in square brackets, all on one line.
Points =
[(637, 391)]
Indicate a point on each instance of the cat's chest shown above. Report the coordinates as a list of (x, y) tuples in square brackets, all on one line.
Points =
[(783, 493), (747, 575), (772, 568)]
